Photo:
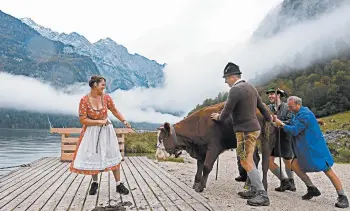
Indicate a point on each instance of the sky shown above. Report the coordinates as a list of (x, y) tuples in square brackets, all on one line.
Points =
[(195, 38), (157, 29)]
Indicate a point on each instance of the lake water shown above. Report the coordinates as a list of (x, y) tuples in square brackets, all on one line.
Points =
[(22, 146)]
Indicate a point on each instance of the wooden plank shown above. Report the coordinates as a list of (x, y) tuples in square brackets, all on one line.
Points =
[(152, 200), (13, 192), (78, 130), (34, 192), (194, 199), (152, 185), (114, 197), (140, 202), (6, 176), (68, 147), (67, 157), (80, 196), (69, 196), (13, 175), (167, 187), (126, 200), (70, 140), (54, 187), (23, 179), (103, 193), (64, 184), (37, 195), (171, 197), (121, 139), (91, 200), (51, 190)]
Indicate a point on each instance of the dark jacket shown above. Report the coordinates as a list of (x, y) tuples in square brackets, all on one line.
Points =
[(242, 101), (282, 112)]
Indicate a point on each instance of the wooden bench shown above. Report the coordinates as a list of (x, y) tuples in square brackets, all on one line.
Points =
[(69, 144)]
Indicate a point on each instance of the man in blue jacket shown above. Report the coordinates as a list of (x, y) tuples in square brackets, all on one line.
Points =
[(311, 150)]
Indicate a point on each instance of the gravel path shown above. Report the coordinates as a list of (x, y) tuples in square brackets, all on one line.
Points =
[(223, 192)]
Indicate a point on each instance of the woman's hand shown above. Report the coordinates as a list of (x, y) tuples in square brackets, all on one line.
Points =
[(127, 124), (103, 122)]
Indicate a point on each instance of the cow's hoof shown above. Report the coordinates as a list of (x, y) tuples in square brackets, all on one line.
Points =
[(195, 185), (199, 188)]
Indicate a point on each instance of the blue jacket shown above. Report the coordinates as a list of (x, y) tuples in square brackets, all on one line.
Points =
[(309, 145)]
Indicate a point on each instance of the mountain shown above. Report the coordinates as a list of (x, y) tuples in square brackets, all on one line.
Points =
[(323, 85), (121, 69), (12, 118), (292, 12), (23, 51)]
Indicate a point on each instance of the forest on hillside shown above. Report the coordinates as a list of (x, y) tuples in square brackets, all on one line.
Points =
[(323, 86), (11, 118)]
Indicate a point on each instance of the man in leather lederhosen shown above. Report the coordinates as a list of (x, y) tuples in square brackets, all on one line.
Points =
[(287, 180)]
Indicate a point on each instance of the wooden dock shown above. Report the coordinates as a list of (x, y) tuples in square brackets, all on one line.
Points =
[(49, 185)]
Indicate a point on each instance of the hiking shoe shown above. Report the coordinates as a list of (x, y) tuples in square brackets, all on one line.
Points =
[(342, 202), (241, 179), (247, 194), (93, 188), (292, 185), (311, 192), (285, 185), (260, 199), (122, 189)]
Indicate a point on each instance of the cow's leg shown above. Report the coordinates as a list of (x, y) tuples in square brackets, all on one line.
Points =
[(198, 177), (265, 163), (267, 143), (210, 158)]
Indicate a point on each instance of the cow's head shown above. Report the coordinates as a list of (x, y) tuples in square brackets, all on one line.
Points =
[(166, 137)]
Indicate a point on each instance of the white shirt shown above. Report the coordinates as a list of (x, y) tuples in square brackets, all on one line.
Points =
[(238, 81)]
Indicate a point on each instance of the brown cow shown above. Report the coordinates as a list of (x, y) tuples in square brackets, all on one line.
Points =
[(205, 139)]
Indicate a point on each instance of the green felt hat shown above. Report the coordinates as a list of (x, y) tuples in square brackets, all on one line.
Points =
[(279, 91)]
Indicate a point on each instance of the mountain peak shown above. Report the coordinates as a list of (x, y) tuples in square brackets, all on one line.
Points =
[(27, 20), (107, 40), (75, 34), (44, 59), (293, 12), (122, 69)]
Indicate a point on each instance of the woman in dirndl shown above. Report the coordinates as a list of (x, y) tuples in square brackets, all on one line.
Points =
[(98, 148)]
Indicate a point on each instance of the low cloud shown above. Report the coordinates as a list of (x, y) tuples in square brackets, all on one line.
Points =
[(192, 76)]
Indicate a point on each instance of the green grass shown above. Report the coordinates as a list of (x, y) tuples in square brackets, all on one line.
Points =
[(141, 142), (336, 122), (340, 149), (170, 159), (144, 144)]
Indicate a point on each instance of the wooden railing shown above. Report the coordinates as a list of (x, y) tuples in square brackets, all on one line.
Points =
[(69, 144)]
